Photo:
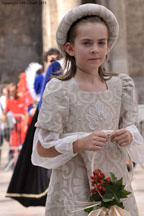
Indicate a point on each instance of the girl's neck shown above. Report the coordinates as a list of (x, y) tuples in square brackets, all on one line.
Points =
[(90, 82), (87, 76)]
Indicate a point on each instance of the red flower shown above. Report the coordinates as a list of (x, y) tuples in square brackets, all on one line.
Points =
[(103, 188), (100, 187), (95, 178), (102, 174), (92, 177), (93, 183), (97, 185), (101, 181), (95, 172), (108, 179)]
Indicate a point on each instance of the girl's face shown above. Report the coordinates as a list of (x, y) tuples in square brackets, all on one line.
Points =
[(90, 46)]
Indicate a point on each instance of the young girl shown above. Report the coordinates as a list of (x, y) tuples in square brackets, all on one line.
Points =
[(84, 112)]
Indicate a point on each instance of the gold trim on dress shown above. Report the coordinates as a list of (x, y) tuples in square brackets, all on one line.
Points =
[(27, 195)]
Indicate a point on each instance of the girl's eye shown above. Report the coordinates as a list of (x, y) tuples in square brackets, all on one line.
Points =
[(87, 43), (102, 42)]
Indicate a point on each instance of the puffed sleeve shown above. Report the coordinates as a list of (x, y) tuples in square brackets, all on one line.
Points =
[(50, 125), (129, 118), (55, 107)]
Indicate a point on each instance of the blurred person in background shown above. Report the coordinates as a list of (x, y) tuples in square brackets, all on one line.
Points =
[(15, 104), (3, 124), (6, 122), (50, 56)]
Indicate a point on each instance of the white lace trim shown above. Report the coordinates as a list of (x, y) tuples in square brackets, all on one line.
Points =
[(63, 145), (136, 148)]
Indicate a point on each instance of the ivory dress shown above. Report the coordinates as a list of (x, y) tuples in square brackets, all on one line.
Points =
[(68, 113)]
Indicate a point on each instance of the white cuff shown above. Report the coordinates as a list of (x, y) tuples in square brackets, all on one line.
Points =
[(67, 145)]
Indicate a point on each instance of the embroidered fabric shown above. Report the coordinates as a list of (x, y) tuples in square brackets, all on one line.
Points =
[(68, 113)]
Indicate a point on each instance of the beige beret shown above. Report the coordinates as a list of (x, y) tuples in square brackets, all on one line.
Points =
[(86, 10)]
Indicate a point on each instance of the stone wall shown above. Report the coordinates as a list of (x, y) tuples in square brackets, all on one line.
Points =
[(130, 46), (20, 38), (119, 55), (135, 36)]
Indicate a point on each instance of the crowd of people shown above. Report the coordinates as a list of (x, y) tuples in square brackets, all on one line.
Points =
[(18, 103)]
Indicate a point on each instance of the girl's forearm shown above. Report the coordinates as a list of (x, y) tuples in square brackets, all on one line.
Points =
[(77, 145), (43, 152)]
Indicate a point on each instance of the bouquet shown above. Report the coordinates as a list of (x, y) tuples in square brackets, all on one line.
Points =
[(108, 194)]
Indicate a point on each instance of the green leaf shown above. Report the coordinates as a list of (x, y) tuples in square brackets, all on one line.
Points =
[(125, 194), (117, 199), (88, 210), (95, 197), (119, 182), (113, 177), (121, 205), (107, 199), (108, 204)]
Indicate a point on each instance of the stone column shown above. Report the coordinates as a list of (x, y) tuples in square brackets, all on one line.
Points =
[(65, 6), (118, 56), (49, 23), (52, 12)]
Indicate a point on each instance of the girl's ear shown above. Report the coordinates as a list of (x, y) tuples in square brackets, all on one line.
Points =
[(69, 49)]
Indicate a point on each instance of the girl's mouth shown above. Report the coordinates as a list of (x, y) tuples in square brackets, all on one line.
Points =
[(94, 59)]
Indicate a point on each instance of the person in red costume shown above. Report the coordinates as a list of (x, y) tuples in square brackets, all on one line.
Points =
[(15, 104)]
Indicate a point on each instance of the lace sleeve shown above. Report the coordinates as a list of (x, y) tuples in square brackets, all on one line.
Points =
[(129, 118), (136, 149), (62, 143)]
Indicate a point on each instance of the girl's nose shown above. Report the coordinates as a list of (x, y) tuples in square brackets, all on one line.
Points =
[(94, 49)]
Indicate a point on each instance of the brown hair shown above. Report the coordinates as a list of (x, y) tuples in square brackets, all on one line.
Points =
[(51, 51), (70, 64)]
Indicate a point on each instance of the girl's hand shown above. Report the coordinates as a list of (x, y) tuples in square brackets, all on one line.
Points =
[(122, 137), (95, 141)]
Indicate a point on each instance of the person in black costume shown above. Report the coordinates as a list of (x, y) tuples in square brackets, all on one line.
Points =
[(29, 183)]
